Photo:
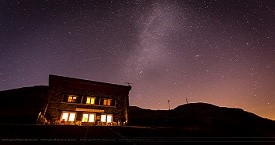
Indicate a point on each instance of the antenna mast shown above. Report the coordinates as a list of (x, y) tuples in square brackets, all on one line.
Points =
[(127, 83), (169, 104)]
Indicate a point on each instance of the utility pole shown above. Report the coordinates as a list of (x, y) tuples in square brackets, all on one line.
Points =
[(169, 104), (186, 101)]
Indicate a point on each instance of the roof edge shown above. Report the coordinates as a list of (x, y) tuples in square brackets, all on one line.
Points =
[(51, 76)]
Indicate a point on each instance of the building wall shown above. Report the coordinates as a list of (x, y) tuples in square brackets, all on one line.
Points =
[(61, 87)]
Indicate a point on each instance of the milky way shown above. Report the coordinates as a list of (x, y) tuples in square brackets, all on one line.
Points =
[(216, 51)]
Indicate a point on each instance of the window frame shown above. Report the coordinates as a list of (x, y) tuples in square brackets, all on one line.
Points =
[(74, 98), (105, 119), (89, 116), (90, 100), (68, 116), (107, 102)]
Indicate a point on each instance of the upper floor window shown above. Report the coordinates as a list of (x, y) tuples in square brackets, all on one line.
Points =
[(107, 102), (72, 98), (90, 100)]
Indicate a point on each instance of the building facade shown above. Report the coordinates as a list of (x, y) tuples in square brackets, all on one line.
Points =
[(76, 101), (71, 101)]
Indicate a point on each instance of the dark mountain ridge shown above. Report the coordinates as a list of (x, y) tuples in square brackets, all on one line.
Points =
[(208, 118)]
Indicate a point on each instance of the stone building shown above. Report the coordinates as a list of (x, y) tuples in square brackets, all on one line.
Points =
[(72, 101)]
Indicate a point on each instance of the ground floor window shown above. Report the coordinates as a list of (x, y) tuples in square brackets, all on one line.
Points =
[(68, 116), (109, 118), (106, 118), (88, 117)]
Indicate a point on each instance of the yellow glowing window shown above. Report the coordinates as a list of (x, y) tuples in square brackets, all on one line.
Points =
[(68, 116), (103, 118), (85, 118), (88, 118), (107, 102), (90, 100), (72, 98)]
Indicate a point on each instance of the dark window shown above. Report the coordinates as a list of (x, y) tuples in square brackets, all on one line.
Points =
[(113, 102), (78, 99), (65, 98), (97, 101), (101, 101)]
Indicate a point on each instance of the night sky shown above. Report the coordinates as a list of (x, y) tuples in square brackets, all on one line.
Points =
[(220, 52)]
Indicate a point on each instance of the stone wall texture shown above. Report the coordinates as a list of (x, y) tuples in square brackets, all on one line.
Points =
[(60, 87)]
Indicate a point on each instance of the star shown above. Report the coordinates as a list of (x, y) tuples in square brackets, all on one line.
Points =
[(219, 52)]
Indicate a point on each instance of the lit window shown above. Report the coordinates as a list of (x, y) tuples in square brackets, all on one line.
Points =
[(90, 100), (68, 116), (107, 102), (103, 118), (88, 118), (65, 116), (72, 116), (85, 118), (72, 98), (109, 118), (92, 118)]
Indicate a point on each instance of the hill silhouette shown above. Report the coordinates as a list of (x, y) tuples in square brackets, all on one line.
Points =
[(208, 119), (25, 105)]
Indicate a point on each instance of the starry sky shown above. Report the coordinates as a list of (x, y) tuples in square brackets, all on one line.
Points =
[(220, 52)]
